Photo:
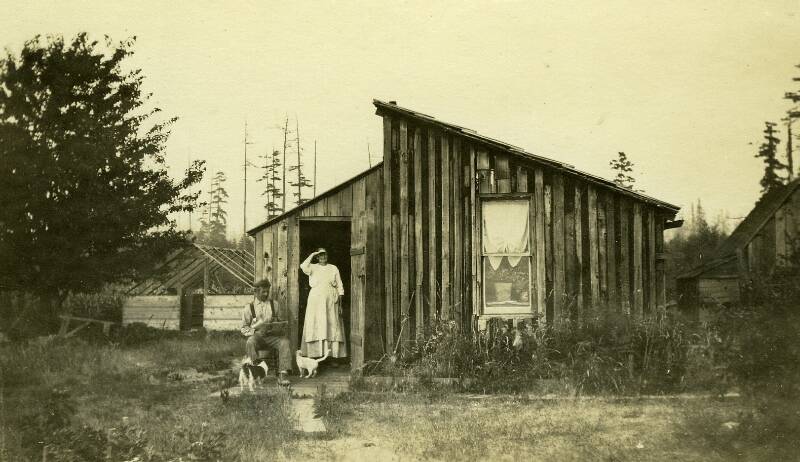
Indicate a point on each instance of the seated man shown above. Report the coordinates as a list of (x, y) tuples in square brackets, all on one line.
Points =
[(264, 324)]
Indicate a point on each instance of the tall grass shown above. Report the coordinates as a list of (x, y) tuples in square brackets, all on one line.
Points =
[(83, 400), (608, 355)]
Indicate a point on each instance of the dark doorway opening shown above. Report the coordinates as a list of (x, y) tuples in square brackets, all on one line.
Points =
[(191, 311), (334, 236)]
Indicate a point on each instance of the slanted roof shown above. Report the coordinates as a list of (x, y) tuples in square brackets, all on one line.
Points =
[(391, 107), (186, 266), (764, 209), (756, 219), (316, 199)]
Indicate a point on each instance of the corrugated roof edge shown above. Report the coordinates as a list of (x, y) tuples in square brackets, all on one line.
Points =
[(327, 193), (469, 133)]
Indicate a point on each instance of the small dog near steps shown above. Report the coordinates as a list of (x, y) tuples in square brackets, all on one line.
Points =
[(252, 374)]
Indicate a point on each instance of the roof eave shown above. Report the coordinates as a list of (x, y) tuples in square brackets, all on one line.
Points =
[(383, 107)]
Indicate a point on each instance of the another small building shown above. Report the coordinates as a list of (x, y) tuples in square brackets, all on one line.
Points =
[(454, 226), (763, 240), (197, 286)]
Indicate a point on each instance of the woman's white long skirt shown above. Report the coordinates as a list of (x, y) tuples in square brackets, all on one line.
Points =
[(323, 328)]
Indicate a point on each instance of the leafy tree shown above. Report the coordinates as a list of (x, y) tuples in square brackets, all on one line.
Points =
[(624, 170), (768, 152), (85, 198)]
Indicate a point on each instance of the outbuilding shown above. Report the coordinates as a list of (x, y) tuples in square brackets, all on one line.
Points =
[(764, 240), (454, 226), (196, 286)]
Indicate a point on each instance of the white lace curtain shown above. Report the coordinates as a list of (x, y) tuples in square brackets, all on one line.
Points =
[(505, 231)]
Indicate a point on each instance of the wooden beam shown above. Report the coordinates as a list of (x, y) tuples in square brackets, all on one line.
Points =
[(594, 287), (548, 250), (293, 291), (624, 255), (651, 261), (559, 263), (539, 255), (580, 307), (661, 274), (388, 269), (446, 237), (475, 237), (419, 314), (433, 222), (405, 267), (611, 252), (457, 226), (602, 259), (638, 294)]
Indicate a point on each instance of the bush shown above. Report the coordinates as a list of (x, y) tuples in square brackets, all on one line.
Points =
[(106, 305), (613, 354)]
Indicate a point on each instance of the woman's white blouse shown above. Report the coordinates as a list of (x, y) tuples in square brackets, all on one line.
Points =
[(320, 275)]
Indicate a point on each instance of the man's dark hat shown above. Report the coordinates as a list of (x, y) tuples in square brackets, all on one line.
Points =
[(262, 283)]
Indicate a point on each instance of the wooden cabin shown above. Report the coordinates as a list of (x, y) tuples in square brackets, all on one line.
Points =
[(762, 241), (197, 286), (455, 226)]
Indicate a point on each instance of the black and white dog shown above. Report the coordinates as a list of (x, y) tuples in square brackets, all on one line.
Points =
[(251, 374)]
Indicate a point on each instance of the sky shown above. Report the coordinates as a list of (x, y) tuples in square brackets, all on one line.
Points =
[(682, 87)]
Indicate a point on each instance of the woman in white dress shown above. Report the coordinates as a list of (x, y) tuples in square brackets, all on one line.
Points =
[(323, 327)]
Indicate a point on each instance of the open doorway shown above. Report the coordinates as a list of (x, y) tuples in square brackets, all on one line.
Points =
[(334, 236)]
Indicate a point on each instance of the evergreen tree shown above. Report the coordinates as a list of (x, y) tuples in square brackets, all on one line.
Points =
[(85, 197), (768, 152), (271, 178), (624, 171), (214, 224)]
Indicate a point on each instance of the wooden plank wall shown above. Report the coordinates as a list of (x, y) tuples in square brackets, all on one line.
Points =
[(224, 312), (159, 311), (594, 249), (281, 242)]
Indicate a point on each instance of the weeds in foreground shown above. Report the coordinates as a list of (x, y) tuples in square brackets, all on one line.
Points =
[(76, 400)]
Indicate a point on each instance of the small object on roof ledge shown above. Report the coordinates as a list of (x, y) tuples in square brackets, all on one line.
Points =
[(393, 102), (673, 224)]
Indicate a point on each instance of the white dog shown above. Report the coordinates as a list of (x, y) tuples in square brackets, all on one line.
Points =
[(252, 374)]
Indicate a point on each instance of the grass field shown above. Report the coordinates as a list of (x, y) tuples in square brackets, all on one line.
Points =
[(90, 401)]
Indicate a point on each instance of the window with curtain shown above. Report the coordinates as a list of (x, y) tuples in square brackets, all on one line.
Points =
[(506, 256)]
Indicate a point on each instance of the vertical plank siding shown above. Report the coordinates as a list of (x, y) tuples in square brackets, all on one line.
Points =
[(446, 229), (405, 267), (612, 242), (593, 242), (387, 235), (559, 262), (419, 254), (417, 222), (457, 227), (539, 257), (638, 293), (433, 221), (624, 253)]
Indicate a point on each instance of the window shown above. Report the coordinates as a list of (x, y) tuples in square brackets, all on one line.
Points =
[(506, 256)]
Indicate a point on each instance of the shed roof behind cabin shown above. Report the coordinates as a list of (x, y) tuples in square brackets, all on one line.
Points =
[(391, 107), (756, 219), (764, 209), (187, 265)]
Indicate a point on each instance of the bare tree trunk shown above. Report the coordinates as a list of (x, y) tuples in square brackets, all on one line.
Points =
[(299, 169), (285, 134)]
